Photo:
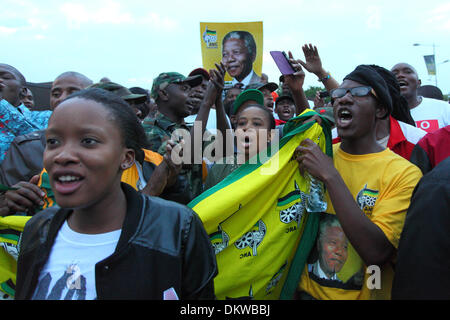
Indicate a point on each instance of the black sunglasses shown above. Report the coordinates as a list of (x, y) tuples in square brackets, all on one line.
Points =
[(355, 92)]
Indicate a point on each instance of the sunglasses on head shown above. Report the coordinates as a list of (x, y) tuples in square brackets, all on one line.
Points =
[(355, 92)]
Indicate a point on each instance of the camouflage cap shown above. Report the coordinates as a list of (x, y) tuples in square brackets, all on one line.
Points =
[(326, 112), (166, 78), (118, 89), (271, 86)]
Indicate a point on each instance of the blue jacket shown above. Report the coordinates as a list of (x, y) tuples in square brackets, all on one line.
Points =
[(16, 121)]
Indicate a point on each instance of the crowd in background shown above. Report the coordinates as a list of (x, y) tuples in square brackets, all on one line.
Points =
[(100, 165)]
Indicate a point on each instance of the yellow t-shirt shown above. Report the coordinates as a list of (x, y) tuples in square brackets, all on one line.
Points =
[(382, 184)]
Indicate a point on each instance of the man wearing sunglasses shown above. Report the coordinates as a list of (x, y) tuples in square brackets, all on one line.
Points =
[(397, 132), (369, 188)]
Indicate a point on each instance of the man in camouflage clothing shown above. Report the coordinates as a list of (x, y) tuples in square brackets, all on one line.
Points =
[(171, 93)]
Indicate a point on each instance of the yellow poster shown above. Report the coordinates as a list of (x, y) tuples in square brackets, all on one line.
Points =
[(238, 45)]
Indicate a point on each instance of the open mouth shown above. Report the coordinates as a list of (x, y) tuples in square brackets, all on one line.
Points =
[(345, 117), (246, 142), (402, 83), (68, 179), (67, 183)]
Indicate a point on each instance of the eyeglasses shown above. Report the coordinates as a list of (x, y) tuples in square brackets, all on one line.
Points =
[(355, 92)]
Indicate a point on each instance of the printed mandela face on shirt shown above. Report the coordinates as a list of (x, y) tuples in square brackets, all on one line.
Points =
[(334, 263)]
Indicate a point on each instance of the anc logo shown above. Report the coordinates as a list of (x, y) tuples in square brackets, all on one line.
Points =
[(276, 278), (253, 238), (219, 240), (294, 212), (366, 199), (210, 38)]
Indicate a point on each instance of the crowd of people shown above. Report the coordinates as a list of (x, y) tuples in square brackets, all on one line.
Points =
[(106, 174)]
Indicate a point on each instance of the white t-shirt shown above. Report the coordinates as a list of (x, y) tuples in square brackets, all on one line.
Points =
[(431, 114), (211, 125), (69, 273)]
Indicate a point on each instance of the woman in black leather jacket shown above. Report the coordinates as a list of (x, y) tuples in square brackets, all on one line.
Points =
[(106, 241)]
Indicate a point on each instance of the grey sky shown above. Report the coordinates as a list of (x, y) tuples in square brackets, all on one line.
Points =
[(132, 41)]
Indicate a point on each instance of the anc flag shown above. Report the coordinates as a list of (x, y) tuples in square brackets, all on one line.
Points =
[(11, 228), (258, 223)]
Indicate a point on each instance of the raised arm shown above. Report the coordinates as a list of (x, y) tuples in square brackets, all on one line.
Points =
[(217, 78), (295, 83), (313, 64)]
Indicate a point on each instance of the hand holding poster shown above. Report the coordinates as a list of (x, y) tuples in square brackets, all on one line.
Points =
[(238, 45)]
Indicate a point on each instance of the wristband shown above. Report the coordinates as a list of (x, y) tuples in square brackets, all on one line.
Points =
[(324, 78)]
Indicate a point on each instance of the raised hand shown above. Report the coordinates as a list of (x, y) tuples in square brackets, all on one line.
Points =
[(166, 173), (312, 61), (173, 168), (318, 101), (217, 76), (296, 80)]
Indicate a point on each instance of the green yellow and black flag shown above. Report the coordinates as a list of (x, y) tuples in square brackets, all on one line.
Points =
[(257, 218), (11, 228)]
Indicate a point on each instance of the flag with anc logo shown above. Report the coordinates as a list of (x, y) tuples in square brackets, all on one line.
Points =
[(430, 64), (11, 228), (258, 223)]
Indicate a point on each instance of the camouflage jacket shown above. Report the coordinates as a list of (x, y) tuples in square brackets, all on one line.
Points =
[(159, 131)]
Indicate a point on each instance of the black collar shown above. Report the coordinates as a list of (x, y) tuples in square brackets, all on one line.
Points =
[(130, 225)]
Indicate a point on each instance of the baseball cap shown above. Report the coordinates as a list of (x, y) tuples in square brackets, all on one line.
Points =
[(271, 86), (326, 112), (283, 96), (200, 71), (118, 89), (248, 95), (166, 78)]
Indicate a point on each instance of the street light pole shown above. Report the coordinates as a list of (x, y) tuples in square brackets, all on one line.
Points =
[(435, 63), (435, 60)]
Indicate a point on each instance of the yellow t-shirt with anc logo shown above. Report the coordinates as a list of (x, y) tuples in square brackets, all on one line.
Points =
[(382, 184)]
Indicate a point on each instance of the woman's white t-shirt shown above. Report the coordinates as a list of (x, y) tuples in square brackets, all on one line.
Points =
[(69, 273)]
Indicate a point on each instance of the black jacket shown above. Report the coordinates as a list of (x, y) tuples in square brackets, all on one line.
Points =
[(24, 158), (162, 245), (423, 258)]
